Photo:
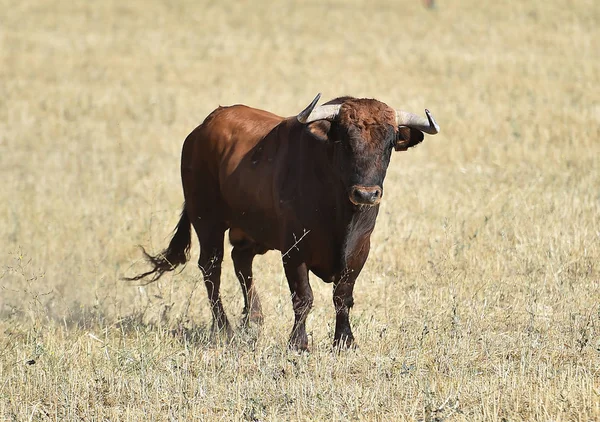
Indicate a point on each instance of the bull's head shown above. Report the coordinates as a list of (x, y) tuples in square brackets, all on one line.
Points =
[(361, 135)]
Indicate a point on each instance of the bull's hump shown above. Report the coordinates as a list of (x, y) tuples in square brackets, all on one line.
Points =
[(240, 113), (236, 129)]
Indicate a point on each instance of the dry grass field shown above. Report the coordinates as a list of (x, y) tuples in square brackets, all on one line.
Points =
[(481, 297)]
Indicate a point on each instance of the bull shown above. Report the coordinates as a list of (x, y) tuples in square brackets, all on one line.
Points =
[(308, 186)]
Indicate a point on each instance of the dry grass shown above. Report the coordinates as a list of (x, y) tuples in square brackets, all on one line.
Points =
[(481, 298)]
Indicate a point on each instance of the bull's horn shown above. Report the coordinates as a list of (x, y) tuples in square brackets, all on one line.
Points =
[(427, 125), (324, 112)]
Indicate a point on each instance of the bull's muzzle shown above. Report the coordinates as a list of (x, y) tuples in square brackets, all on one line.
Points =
[(365, 195)]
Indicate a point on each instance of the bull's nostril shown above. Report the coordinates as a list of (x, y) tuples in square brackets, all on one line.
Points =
[(365, 195)]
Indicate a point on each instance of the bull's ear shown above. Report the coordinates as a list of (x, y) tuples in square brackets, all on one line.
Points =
[(407, 138), (320, 130)]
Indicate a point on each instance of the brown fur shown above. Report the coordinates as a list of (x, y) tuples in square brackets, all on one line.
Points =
[(309, 191)]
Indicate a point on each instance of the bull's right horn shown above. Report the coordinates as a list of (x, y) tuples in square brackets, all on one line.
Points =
[(324, 112), (427, 125)]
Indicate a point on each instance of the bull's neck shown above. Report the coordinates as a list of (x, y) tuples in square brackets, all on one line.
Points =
[(358, 224)]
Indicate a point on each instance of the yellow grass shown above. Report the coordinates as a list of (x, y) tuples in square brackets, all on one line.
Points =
[(481, 297)]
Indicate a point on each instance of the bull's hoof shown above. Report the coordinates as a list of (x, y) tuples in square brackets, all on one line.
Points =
[(221, 332), (255, 318), (344, 343), (294, 347), (298, 343)]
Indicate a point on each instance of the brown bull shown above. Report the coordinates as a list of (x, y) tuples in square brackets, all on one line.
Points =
[(308, 186)]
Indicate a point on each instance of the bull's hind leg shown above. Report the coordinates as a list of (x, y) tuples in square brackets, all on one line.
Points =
[(243, 253), (210, 235), (204, 212)]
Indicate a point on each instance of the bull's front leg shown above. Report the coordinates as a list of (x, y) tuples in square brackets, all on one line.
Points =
[(302, 300), (343, 300)]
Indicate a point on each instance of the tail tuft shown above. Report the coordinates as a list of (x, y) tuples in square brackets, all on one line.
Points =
[(177, 253)]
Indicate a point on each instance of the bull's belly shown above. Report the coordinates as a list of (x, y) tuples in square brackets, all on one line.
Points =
[(326, 273), (319, 258), (253, 228)]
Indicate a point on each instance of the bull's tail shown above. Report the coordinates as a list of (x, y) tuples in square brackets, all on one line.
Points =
[(177, 253)]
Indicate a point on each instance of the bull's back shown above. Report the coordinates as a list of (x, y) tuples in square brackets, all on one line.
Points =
[(231, 151), (225, 136)]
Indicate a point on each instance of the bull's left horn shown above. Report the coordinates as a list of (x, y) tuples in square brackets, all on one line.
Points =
[(324, 112), (427, 125)]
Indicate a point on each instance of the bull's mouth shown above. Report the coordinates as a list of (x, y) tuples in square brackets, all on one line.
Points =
[(364, 204), (365, 195)]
